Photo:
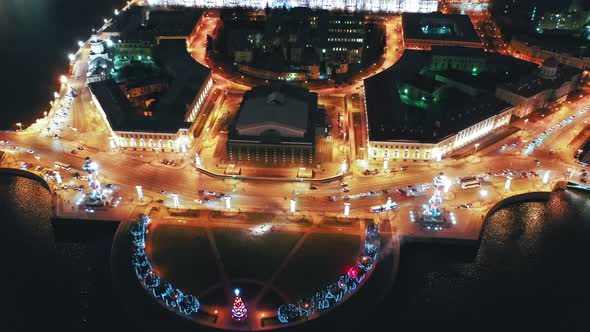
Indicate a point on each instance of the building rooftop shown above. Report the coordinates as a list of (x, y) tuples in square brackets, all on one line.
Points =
[(187, 78), (391, 119), (142, 22), (168, 112), (117, 108), (284, 110), (424, 83), (438, 26), (558, 42), (533, 83)]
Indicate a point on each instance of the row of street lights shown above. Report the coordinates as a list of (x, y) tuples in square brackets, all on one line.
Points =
[(228, 206)]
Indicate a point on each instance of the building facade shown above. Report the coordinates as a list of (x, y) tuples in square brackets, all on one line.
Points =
[(274, 125), (538, 54), (551, 83), (391, 6), (413, 150)]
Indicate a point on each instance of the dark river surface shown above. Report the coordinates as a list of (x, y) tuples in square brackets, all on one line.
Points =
[(531, 270)]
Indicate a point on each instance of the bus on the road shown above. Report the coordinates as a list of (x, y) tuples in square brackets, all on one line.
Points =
[(469, 182), (384, 207), (59, 164)]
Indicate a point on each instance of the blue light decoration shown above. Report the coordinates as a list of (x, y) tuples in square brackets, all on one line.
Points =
[(327, 297), (288, 313), (162, 290)]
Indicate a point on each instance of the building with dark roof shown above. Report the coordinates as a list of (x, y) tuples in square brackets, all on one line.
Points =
[(567, 49), (550, 83), (414, 112), (275, 125), (422, 31), (164, 123)]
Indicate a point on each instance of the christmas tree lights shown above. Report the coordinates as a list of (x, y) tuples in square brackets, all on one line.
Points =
[(238, 310)]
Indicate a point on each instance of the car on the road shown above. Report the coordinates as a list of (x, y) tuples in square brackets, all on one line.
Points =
[(524, 175), (345, 197), (31, 152), (537, 161), (39, 168), (313, 187), (109, 185), (74, 152), (161, 201), (80, 147), (344, 184), (198, 201), (583, 180), (81, 187), (345, 190), (163, 192), (332, 198), (64, 186)]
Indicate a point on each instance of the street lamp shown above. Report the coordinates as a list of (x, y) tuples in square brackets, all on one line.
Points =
[(139, 193), (483, 193), (343, 167), (80, 43), (546, 178), (20, 126), (507, 184), (63, 79), (175, 200), (525, 121), (292, 205), (71, 57), (55, 95), (346, 209), (476, 145), (228, 202), (197, 160)]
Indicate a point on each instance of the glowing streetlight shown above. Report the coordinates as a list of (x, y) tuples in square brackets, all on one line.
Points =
[(55, 95), (80, 43), (228, 202), (139, 193), (197, 159), (63, 79), (483, 193), (292, 205), (71, 57), (546, 178), (20, 126), (116, 12), (507, 184), (346, 209), (110, 43), (175, 200), (343, 167), (45, 113)]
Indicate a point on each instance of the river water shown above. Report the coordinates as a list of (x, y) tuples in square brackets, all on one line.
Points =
[(36, 38), (531, 269)]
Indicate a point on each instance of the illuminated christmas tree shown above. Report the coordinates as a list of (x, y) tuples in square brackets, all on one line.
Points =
[(238, 310)]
